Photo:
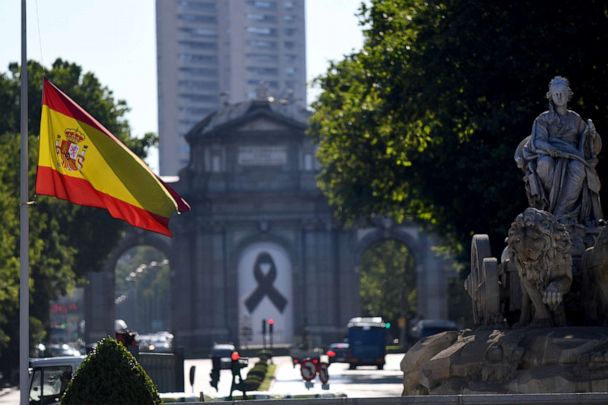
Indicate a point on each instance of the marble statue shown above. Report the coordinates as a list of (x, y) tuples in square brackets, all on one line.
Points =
[(538, 311), (559, 159)]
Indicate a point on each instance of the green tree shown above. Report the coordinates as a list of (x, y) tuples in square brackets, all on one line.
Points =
[(66, 241), (388, 281), (422, 123)]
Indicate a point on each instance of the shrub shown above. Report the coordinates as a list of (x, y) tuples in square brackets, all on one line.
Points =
[(111, 375), (256, 375)]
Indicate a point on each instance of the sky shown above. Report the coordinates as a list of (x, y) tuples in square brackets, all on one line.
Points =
[(116, 40)]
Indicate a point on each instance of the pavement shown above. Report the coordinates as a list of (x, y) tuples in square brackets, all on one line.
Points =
[(6, 391)]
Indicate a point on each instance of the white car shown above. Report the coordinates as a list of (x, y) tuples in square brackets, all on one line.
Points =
[(49, 377)]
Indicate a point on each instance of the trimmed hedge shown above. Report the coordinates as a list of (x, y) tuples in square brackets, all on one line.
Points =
[(111, 375), (256, 375)]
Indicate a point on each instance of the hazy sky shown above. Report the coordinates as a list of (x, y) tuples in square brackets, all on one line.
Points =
[(116, 40)]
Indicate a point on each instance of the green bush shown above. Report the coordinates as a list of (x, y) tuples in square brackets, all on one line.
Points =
[(111, 375)]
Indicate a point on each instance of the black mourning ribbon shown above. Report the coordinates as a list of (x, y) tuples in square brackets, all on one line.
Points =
[(265, 287)]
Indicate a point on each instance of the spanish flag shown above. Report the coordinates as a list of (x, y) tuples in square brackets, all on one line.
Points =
[(82, 162)]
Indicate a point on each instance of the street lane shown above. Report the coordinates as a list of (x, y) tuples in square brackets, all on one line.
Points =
[(202, 378), (360, 383)]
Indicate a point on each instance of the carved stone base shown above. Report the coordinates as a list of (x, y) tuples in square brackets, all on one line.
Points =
[(519, 361)]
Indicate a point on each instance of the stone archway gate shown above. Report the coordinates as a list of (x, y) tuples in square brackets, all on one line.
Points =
[(99, 308), (261, 241)]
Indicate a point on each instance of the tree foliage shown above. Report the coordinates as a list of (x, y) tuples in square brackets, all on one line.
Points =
[(66, 241), (422, 123), (388, 281)]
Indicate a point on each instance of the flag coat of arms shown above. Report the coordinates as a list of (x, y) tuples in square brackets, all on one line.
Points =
[(82, 162)]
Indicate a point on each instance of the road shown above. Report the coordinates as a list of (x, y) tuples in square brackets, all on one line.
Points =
[(201, 378), (360, 383)]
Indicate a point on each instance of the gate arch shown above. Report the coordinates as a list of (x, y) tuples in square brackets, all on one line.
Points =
[(430, 269), (99, 307)]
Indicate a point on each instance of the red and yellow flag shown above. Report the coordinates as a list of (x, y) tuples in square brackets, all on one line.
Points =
[(82, 162)]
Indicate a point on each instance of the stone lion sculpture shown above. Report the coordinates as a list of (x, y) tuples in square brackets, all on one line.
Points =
[(595, 280), (539, 247)]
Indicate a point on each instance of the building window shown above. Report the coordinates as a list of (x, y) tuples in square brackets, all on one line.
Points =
[(198, 45), (196, 58), (262, 31), (198, 71), (262, 17), (196, 5), (262, 44), (198, 32), (267, 5), (262, 57), (263, 70), (197, 18), (197, 85), (198, 98)]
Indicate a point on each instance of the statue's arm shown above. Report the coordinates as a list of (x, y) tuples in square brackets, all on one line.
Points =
[(540, 138), (595, 139)]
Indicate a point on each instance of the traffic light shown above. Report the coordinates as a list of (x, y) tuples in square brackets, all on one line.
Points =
[(271, 326), (215, 371), (388, 325), (263, 326)]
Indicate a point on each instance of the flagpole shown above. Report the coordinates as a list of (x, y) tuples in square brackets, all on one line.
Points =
[(24, 293)]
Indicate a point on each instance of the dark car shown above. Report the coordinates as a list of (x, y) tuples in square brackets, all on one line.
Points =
[(429, 327), (223, 351), (338, 353)]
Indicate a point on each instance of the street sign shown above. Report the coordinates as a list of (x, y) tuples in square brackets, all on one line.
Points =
[(308, 370)]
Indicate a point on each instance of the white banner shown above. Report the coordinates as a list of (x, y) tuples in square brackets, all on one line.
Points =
[(265, 292)]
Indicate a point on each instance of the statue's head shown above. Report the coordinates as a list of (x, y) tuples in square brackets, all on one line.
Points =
[(559, 91)]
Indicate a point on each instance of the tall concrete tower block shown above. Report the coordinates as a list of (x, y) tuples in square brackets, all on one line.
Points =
[(214, 52)]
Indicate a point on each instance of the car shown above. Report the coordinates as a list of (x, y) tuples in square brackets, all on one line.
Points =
[(429, 327), (337, 353), (49, 378), (61, 349), (156, 342), (223, 351), (366, 342)]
